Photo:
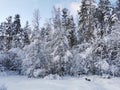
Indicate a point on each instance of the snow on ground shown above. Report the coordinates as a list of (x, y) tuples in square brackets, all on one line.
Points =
[(24, 83)]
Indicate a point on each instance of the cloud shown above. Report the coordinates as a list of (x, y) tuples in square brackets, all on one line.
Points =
[(59, 6), (74, 7)]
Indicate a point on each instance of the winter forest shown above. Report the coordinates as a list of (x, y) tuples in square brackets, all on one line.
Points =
[(64, 45), (74, 51), (89, 47)]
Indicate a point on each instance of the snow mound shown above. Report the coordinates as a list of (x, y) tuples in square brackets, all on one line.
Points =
[(3, 73), (3, 87), (39, 73), (52, 77), (105, 76)]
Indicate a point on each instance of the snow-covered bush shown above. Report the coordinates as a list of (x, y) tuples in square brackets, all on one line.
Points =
[(52, 77), (10, 61), (37, 60), (36, 73)]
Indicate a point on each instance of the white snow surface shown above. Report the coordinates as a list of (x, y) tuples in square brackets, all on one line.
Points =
[(66, 83)]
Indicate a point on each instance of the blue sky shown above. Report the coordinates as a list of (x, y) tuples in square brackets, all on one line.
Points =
[(26, 8)]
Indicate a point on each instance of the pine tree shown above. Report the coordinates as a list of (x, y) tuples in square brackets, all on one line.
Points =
[(8, 33), (16, 24), (56, 18), (118, 9), (36, 25), (2, 36), (26, 34), (69, 27), (86, 21), (18, 33), (59, 47), (105, 17)]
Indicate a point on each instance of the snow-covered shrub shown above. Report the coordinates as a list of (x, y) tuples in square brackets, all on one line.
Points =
[(52, 77), (2, 68), (36, 73), (10, 61), (81, 59), (36, 62), (39, 73), (106, 76)]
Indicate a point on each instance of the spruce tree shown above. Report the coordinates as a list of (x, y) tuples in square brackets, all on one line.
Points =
[(86, 21), (118, 9), (69, 27), (16, 24), (36, 25), (26, 34), (105, 17)]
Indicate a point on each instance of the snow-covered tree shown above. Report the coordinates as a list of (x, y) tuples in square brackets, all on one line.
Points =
[(27, 34), (36, 25), (59, 47), (37, 61), (69, 27), (6, 33), (16, 42), (118, 9), (105, 14), (86, 21), (56, 17), (16, 24)]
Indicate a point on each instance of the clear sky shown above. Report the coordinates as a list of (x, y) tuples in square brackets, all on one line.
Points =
[(26, 8)]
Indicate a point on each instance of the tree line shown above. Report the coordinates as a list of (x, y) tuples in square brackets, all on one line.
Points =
[(63, 47)]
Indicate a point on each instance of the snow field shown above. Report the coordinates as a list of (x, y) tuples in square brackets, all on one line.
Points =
[(68, 83)]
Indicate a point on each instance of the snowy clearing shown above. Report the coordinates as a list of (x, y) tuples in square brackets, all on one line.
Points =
[(24, 83)]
